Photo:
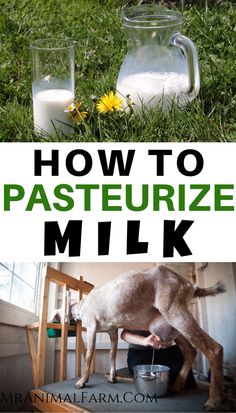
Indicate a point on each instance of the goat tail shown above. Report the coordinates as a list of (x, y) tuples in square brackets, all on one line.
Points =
[(217, 288)]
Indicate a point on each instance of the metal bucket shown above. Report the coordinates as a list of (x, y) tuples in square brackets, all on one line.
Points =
[(151, 380)]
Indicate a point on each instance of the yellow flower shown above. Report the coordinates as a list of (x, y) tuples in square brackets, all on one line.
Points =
[(77, 115), (109, 102)]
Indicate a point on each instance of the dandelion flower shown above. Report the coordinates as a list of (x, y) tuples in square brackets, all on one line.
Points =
[(77, 115), (109, 102)]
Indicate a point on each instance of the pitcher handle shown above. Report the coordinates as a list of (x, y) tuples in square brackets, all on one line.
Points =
[(190, 53)]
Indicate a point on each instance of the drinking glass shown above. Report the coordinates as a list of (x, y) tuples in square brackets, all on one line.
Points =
[(53, 85)]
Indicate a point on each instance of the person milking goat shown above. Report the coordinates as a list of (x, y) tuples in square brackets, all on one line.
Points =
[(155, 300), (145, 348)]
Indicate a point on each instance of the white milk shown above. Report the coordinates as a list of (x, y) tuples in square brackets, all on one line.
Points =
[(151, 89), (49, 105)]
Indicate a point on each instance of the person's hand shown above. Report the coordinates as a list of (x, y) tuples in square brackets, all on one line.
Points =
[(154, 341)]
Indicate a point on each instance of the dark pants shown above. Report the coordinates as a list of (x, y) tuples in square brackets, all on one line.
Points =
[(171, 357)]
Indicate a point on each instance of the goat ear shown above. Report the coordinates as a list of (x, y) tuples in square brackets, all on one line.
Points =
[(55, 317)]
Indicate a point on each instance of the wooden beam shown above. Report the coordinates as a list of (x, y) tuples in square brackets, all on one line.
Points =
[(33, 326), (44, 402), (32, 352), (64, 335), (79, 339), (42, 336), (78, 349), (61, 278), (38, 358), (84, 287), (57, 326), (63, 353)]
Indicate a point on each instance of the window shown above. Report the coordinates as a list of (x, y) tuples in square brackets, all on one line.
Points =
[(19, 284)]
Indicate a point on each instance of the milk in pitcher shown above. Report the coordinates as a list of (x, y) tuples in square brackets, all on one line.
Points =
[(151, 89)]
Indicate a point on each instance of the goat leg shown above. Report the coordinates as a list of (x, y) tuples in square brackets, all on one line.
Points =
[(114, 340), (91, 340), (184, 322), (189, 354)]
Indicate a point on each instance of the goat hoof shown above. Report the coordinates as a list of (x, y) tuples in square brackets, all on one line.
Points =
[(227, 405), (208, 408), (219, 406), (112, 380), (80, 385)]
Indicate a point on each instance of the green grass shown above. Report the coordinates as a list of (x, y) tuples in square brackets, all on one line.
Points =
[(101, 46)]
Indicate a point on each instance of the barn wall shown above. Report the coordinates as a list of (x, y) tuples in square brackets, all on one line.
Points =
[(99, 273), (218, 314)]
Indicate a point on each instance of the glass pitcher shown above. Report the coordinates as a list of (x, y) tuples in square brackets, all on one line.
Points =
[(161, 64)]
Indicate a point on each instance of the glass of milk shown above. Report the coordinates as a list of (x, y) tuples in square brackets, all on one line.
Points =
[(53, 85), (161, 65)]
